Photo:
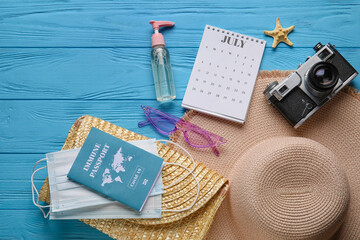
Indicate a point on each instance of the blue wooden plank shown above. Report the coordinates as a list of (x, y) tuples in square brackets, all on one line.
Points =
[(19, 167), (16, 194), (114, 73), (42, 126), (116, 24), (30, 224)]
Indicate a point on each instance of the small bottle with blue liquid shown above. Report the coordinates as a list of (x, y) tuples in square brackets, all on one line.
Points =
[(161, 65)]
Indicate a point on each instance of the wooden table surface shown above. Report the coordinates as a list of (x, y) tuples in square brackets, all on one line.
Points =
[(60, 60)]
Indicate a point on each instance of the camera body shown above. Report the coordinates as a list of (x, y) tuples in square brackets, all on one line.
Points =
[(314, 83)]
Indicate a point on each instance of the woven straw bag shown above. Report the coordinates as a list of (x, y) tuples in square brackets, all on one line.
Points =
[(191, 224)]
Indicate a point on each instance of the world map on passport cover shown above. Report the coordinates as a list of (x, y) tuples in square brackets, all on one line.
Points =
[(117, 166), (117, 169)]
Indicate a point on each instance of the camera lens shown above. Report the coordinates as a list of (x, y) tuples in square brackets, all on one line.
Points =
[(323, 76)]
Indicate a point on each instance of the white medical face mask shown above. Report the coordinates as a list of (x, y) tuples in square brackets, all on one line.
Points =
[(112, 211), (70, 200), (74, 201), (67, 196)]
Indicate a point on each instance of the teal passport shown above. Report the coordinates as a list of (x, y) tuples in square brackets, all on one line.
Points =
[(116, 169)]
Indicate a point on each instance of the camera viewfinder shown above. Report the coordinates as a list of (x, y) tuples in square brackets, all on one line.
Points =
[(283, 89), (323, 55)]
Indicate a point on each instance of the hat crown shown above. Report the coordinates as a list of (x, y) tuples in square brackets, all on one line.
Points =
[(288, 188)]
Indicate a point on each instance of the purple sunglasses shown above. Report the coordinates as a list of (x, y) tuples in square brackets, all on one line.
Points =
[(166, 124)]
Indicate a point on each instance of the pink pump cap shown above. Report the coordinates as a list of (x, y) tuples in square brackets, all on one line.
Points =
[(157, 38)]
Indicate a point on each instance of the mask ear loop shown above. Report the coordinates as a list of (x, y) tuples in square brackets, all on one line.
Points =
[(192, 159), (197, 194), (190, 172), (33, 188)]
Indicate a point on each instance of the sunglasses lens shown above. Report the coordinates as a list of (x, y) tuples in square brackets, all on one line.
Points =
[(162, 122)]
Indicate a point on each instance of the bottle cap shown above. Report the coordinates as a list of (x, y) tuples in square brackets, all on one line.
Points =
[(157, 38)]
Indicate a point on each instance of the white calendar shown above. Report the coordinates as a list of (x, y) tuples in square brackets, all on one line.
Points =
[(224, 74)]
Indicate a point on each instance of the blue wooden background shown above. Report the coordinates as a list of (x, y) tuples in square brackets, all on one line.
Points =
[(63, 59)]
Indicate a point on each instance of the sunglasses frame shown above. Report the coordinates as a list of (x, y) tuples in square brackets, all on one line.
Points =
[(183, 126)]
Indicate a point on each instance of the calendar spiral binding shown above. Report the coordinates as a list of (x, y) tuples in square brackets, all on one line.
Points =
[(234, 34)]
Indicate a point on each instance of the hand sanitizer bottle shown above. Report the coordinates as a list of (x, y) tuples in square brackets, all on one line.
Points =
[(161, 66)]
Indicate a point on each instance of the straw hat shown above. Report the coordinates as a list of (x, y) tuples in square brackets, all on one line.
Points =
[(287, 183)]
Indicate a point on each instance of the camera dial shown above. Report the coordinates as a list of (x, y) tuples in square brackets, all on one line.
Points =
[(270, 87), (318, 46), (323, 76)]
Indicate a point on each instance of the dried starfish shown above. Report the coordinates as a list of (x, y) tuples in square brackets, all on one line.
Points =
[(280, 34)]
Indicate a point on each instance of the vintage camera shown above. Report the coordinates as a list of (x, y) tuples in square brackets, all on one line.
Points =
[(314, 83)]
